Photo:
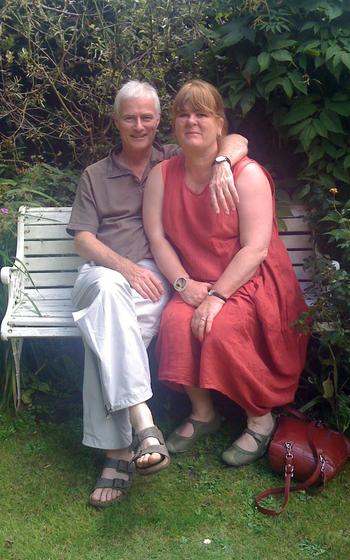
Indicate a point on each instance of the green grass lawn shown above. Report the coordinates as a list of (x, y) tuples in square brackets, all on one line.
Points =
[(46, 476)]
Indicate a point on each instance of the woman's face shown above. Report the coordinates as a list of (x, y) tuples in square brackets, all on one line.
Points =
[(197, 129)]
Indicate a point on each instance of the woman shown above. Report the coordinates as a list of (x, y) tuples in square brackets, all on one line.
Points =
[(228, 325)]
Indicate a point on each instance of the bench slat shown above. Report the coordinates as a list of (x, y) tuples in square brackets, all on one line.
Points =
[(47, 215), (47, 279), (42, 321), (64, 247), (50, 231), (302, 241), (298, 257), (36, 264), (36, 332), (49, 293), (297, 224)]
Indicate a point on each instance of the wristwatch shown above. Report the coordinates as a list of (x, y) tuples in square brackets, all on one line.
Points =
[(221, 159), (180, 283), (216, 294)]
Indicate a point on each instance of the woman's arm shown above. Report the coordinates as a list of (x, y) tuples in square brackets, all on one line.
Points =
[(255, 226), (164, 254)]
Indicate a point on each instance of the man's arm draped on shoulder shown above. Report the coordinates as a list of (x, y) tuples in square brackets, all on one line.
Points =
[(223, 192)]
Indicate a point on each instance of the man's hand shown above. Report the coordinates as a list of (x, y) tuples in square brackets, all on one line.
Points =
[(144, 281), (223, 193), (195, 292), (204, 315)]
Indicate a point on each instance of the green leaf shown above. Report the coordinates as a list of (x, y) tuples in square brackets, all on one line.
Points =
[(302, 193), (299, 113), (331, 121), (315, 154), (328, 388), (247, 102), (295, 129), (287, 86), (281, 43), (306, 136), (342, 109), (340, 174), (332, 11), (264, 61), (331, 51), (346, 162), (345, 58), (320, 128), (297, 81), (282, 56)]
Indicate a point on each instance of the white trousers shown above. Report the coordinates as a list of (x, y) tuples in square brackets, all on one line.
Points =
[(117, 325)]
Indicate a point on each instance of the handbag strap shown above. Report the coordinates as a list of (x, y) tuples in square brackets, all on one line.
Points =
[(288, 475)]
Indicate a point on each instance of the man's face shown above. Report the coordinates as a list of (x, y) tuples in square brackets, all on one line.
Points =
[(137, 123)]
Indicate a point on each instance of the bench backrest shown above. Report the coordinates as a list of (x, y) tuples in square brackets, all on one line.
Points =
[(49, 256), (47, 251)]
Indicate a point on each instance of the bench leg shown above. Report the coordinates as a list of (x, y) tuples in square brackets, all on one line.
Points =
[(17, 344)]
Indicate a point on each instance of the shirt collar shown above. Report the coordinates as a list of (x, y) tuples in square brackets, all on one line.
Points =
[(114, 169)]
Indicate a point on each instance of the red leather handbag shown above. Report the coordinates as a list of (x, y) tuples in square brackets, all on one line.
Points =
[(305, 450)]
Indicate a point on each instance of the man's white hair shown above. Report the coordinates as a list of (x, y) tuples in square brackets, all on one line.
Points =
[(135, 90)]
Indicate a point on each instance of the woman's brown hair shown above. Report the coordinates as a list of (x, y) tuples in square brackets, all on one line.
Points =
[(199, 96)]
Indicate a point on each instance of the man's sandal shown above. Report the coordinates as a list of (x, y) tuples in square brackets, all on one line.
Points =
[(140, 449), (116, 483)]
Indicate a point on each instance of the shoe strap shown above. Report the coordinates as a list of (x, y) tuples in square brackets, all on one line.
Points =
[(152, 431), (259, 438), (119, 465), (114, 483)]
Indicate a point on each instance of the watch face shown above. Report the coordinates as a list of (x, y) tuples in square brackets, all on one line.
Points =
[(220, 159), (180, 284)]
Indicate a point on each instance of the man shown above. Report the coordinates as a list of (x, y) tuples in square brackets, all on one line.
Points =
[(119, 293)]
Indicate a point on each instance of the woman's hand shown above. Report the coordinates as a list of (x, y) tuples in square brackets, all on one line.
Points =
[(195, 292), (204, 316), (223, 193)]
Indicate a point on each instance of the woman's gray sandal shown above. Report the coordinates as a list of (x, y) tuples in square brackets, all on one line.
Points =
[(140, 450), (117, 483), (176, 443)]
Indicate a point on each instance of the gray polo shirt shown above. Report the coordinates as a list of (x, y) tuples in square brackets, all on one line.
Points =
[(108, 203)]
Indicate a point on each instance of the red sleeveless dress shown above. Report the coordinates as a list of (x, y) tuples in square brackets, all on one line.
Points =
[(252, 353)]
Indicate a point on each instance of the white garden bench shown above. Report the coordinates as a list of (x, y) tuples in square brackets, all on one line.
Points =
[(46, 265)]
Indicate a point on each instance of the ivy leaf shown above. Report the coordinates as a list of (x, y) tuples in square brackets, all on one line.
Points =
[(264, 61), (342, 109), (315, 154), (247, 102), (287, 86), (320, 129), (345, 58), (306, 136), (297, 81), (340, 174), (328, 388), (281, 43), (331, 121), (332, 11), (282, 56), (299, 113)]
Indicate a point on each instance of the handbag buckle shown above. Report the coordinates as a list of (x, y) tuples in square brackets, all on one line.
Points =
[(289, 467)]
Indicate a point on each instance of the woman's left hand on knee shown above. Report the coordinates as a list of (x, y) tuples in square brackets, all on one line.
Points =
[(204, 315)]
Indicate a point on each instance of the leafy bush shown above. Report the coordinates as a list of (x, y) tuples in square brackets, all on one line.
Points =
[(62, 64)]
